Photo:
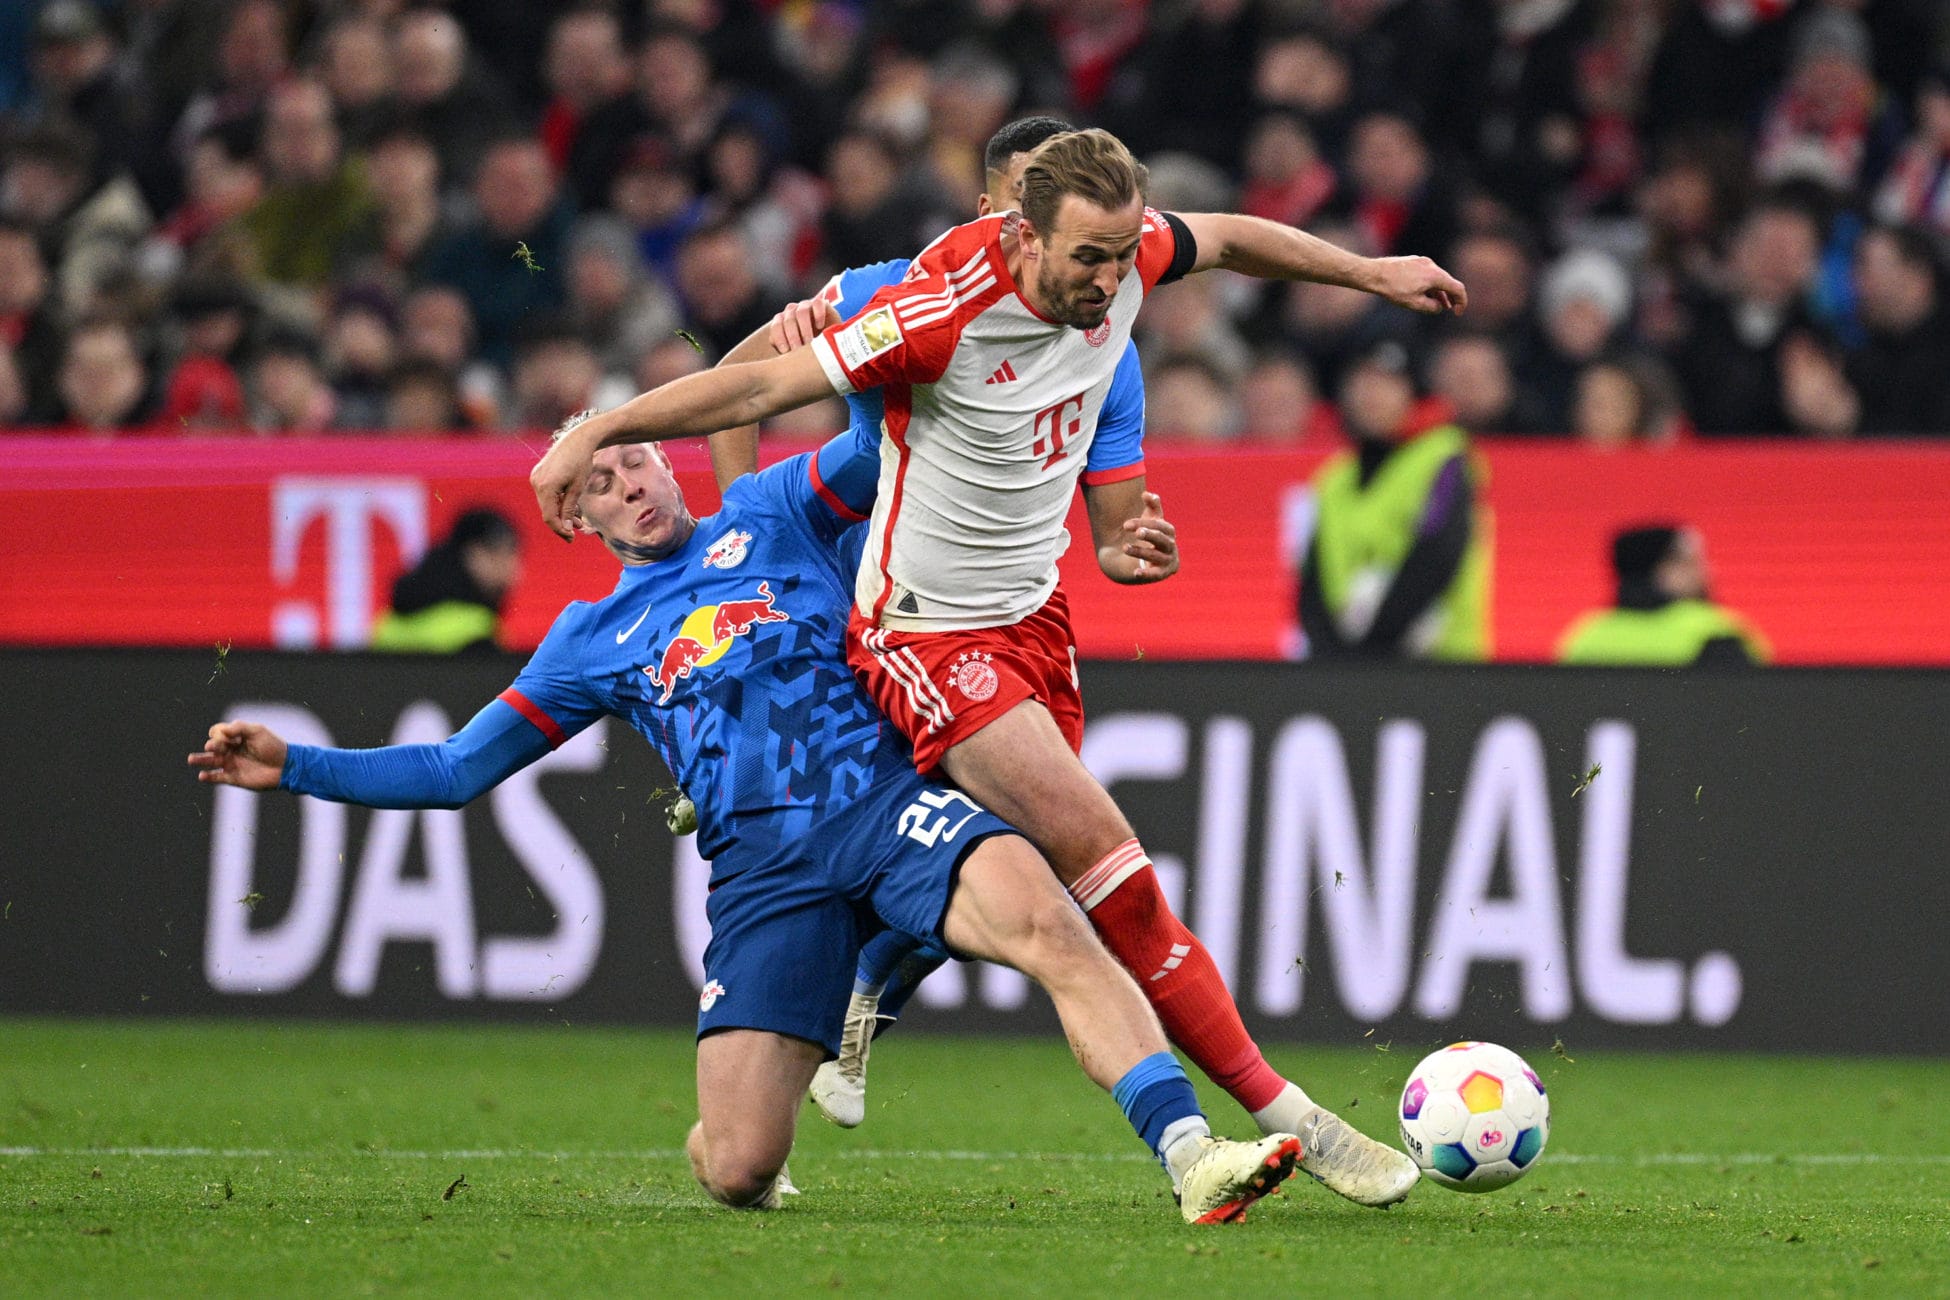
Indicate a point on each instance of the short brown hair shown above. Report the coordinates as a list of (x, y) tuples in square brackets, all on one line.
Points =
[(1094, 165)]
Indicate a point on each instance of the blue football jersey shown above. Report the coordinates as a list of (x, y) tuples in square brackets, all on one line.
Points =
[(1117, 452), (729, 656)]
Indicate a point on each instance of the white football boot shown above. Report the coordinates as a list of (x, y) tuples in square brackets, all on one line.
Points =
[(1343, 1159), (1230, 1176), (839, 1088)]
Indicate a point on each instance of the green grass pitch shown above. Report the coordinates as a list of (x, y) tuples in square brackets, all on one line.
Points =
[(284, 1159)]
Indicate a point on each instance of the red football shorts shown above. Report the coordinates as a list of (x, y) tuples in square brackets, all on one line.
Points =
[(940, 688)]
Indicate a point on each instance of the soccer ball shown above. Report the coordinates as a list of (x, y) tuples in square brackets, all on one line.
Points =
[(1475, 1117)]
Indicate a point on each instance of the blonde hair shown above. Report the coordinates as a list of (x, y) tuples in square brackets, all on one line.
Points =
[(1094, 165)]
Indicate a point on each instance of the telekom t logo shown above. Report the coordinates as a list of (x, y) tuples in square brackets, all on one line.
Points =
[(350, 506), (1056, 426)]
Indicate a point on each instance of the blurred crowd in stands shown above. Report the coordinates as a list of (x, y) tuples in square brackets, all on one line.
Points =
[(1675, 218)]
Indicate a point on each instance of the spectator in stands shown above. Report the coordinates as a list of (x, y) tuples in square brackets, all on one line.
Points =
[(1183, 89), (253, 58), (587, 69), (556, 375), (1286, 178), (451, 601), (1280, 402), (1305, 72), (225, 180), (614, 302), (1829, 123), (1664, 615), (30, 330), (74, 72), (514, 191), (1331, 325), (1585, 301), (422, 398), (657, 198), (1187, 396), (360, 349), (437, 325), (1393, 191), (1516, 73), (1916, 190), (317, 202), (1728, 361), (287, 387), (1496, 264), (1185, 320), (204, 390), (674, 95), (462, 108), (1397, 566), (1901, 374), (724, 300), (1626, 400), (89, 222), (355, 63), (104, 385), (403, 173), (876, 211), (669, 360), (775, 208), (1471, 374)]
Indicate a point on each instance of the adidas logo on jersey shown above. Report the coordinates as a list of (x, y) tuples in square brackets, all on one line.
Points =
[(908, 605), (1004, 373)]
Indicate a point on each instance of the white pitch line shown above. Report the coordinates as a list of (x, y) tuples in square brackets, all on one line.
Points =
[(1650, 1160)]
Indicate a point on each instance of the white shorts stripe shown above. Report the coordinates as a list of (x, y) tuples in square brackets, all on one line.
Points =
[(875, 640), (920, 670)]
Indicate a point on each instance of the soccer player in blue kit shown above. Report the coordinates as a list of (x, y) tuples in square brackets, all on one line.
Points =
[(723, 645)]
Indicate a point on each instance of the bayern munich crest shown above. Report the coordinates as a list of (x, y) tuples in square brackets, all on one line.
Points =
[(728, 552), (974, 676), (1099, 336)]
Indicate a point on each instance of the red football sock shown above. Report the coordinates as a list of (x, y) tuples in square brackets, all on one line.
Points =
[(1121, 896)]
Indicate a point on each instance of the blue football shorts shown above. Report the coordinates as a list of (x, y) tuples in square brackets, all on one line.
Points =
[(786, 931)]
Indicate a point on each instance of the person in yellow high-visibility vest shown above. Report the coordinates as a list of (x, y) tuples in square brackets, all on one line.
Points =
[(1399, 562), (1664, 616), (451, 600)]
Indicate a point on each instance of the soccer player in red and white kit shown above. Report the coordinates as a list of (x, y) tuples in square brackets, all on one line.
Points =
[(994, 356)]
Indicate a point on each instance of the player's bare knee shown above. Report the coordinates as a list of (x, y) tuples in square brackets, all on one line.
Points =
[(1058, 945)]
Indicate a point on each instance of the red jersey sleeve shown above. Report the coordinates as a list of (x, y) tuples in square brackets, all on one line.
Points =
[(907, 332), (1157, 249)]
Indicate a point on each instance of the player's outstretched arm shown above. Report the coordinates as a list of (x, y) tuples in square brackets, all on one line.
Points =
[(685, 408), (494, 745), (1271, 251), (1135, 542), (243, 754)]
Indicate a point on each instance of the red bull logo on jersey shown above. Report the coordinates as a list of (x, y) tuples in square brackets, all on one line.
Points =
[(707, 633)]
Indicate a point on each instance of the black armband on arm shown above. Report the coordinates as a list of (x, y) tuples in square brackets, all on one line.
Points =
[(1184, 250)]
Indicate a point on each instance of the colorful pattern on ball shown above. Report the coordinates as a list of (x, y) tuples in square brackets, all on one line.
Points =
[(1474, 1117)]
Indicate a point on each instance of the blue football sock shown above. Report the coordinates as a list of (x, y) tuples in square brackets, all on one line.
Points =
[(1155, 1096), (915, 967), (879, 959)]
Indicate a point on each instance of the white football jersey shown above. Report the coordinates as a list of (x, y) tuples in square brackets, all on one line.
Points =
[(990, 411)]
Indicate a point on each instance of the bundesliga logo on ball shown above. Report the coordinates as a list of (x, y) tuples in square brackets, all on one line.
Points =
[(1475, 1117)]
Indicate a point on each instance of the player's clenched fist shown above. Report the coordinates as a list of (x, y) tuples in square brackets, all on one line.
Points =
[(242, 754), (1419, 285)]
